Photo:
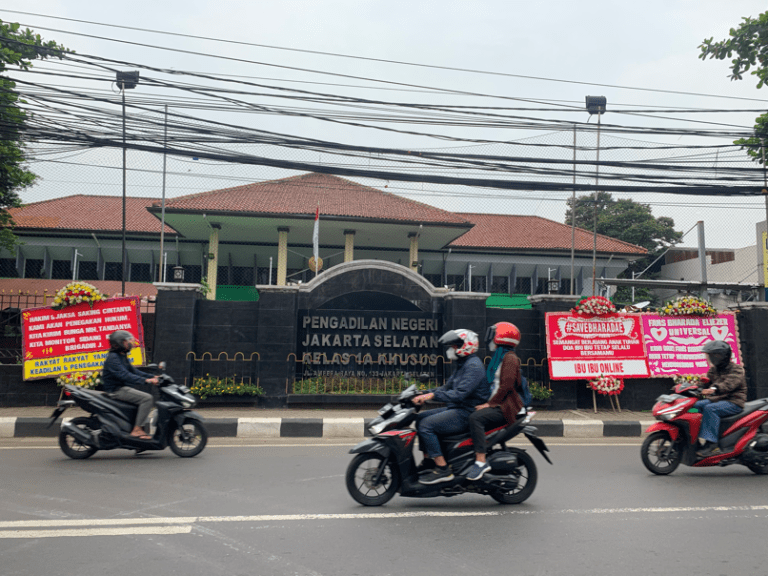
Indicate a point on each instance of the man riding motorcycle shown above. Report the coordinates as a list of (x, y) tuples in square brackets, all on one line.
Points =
[(727, 394), (120, 379), (466, 388)]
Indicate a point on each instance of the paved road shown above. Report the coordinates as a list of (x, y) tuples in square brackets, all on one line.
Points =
[(279, 508)]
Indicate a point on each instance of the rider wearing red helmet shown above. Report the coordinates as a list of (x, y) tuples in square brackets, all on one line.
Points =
[(504, 375)]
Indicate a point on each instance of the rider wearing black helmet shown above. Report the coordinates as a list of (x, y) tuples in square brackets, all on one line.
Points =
[(120, 379), (726, 394)]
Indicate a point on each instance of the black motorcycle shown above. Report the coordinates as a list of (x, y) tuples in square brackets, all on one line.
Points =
[(385, 464), (111, 421)]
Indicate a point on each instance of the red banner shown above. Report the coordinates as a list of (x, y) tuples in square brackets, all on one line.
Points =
[(60, 341), (581, 347)]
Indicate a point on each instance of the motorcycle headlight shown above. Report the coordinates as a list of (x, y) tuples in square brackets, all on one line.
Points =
[(670, 415)]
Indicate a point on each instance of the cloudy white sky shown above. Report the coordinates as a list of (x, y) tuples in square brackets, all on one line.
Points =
[(614, 45)]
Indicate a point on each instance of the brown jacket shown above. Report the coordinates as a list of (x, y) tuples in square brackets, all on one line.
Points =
[(729, 383), (510, 383)]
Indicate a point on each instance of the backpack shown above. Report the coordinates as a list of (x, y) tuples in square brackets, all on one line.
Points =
[(525, 391)]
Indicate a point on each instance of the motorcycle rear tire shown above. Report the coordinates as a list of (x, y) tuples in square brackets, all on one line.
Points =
[(356, 486), (526, 468), (71, 446), (178, 438), (671, 463)]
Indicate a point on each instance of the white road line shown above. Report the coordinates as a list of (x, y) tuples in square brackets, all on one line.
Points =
[(124, 525), (164, 530)]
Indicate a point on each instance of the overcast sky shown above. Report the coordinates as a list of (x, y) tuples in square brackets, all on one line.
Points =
[(651, 44)]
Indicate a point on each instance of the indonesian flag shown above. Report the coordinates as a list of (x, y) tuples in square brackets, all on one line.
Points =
[(316, 238)]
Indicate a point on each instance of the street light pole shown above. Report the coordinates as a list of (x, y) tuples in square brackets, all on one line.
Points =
[(596, 105), (161, 275), (126, 81)]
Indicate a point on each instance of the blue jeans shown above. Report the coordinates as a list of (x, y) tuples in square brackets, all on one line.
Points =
[(710, 417), (442, 421)]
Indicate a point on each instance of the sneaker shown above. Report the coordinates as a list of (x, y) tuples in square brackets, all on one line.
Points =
[(477, 470), (436, 475), (710, 449), (425, 466)]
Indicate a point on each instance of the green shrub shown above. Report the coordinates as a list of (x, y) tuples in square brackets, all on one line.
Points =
[(211, 386)]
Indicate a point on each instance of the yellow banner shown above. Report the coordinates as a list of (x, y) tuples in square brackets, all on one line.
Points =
[(72, 363)]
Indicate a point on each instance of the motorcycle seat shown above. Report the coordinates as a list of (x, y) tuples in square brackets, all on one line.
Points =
[(749, 407)]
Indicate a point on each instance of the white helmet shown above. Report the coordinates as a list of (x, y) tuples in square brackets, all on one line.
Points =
[(465, 341)]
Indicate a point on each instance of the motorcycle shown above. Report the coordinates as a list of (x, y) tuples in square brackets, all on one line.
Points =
[(173, 424), (743, 437), (385, 465)]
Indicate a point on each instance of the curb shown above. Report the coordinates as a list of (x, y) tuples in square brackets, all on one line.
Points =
[(16, 427)]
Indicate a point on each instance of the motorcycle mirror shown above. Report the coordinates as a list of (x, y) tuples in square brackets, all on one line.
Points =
[(161, 366), (423, 378)]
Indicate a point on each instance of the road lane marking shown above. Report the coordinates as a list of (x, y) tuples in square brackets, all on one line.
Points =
[(183, 525), (80, 532)]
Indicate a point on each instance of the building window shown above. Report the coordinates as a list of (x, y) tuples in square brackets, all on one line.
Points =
[(500, 285), (34, 269), (192, 274), (263, 275), (61, 270), (478, 283), (87, 270), (242, 276), (523, 286), (8, 268), (457, 281), (112, 271), (435, 279), (141, 273), (222, 275), (541, 286)]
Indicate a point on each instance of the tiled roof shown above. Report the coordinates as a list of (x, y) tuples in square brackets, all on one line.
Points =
[(302, 194), (91, 213), (500, 231)]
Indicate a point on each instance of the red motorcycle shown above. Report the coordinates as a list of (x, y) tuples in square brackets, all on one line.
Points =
[(743, 437)]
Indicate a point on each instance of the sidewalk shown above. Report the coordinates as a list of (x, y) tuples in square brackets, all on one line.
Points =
[(333, 423)]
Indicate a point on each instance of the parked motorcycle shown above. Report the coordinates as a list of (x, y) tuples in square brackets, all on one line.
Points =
[(173, 424), (385, 465), (743, 437)]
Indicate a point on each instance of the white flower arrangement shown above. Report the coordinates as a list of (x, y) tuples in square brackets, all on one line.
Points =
[(607, 385)]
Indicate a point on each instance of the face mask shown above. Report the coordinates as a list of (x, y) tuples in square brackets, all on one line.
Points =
[(451, 354), (492, 346)]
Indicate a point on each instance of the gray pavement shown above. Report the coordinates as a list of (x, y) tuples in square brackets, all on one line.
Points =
[(249, 422)]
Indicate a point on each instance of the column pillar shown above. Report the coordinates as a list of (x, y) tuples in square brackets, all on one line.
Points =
[(213, 260), (413, 257), (282, 255), (349, 245)]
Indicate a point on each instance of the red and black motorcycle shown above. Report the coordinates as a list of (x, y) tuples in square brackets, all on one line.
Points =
[(384, 464), (743, 437)]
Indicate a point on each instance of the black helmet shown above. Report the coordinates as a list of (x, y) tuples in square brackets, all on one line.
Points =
[(719, 353), (117, 338)]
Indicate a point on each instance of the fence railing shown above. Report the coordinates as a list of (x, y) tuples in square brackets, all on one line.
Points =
[(222, 373)]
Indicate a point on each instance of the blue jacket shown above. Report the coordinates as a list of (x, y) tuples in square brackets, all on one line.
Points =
[(467, 387), (118, 372)]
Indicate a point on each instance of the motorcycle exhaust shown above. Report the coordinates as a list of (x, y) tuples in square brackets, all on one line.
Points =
[(79, 434)]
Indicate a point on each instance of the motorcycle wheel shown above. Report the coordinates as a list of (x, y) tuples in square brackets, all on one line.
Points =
[(652, 454), (360, 474), (71, 446), (528, 475), (187, 440)]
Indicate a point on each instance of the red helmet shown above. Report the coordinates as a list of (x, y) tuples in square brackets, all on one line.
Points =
[(503, 334), (465, 341)]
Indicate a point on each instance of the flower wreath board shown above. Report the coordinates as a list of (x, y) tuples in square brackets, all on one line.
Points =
[(71, 335), (634, 345)]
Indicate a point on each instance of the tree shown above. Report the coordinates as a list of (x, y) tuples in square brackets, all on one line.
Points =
[(628, 221), (750, 44), (17, 49)]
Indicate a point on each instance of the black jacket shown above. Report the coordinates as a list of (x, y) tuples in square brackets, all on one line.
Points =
[(118, 372)]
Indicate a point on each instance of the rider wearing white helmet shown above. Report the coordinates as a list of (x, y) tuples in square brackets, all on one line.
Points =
[(466, 388)]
